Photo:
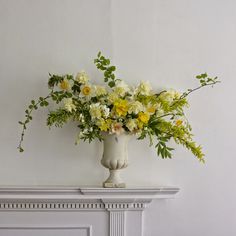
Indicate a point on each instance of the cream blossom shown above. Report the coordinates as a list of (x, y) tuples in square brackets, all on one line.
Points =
[(100, 90), (112, 97), (95, 111), (105, 111), (121, 88), (117, 128), (69, 105), (131, 124), (170, 95), (144, 88), (82, 77), (86, 90), (135, 107)]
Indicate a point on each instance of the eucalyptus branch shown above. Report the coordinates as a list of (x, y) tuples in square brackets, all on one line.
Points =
[(42, 101)]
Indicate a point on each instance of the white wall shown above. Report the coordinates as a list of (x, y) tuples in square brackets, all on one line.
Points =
[(165, 42)]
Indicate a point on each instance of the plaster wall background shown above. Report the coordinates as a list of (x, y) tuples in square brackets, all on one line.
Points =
[(165, 42)]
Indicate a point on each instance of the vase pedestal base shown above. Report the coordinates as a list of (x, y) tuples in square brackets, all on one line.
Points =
[(114, 180), (114, 185)]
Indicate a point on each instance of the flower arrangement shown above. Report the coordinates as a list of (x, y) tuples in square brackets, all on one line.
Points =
[(117, 107)]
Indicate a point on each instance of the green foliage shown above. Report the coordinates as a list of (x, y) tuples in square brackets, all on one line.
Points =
[(58, 117), (42, 101), (103, 64)]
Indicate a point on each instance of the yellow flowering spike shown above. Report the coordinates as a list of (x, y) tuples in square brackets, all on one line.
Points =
[(178, 122), (86, 90), (121, 107), (143, 117), (64, 85)]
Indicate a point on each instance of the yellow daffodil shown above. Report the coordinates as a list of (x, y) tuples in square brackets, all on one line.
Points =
[(121, 107), (143, 117)]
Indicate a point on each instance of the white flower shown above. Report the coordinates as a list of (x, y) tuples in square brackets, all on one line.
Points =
[(170, 95), (135, 107), (95, 111), (81, 118), (112, 97), (105, 111), (144, 88), (86, 91), (82, 77), (69, 105), (131, 124), (121, 88), (100, 90)]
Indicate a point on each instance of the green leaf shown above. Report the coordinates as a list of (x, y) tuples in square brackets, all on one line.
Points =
[(111, 84)]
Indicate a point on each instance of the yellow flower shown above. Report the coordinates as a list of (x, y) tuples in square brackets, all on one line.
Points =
[(121, 107), (178, 122), (104, 125), (151, 110), (65, 85), (143, 117)]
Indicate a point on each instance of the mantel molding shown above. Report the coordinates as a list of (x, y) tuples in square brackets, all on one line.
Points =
[(73, 198)]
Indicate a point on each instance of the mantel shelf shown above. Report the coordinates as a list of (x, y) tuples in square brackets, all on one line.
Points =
[(69, 192), (121, 205)]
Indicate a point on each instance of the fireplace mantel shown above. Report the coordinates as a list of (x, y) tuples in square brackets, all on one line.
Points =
[(123, 206)]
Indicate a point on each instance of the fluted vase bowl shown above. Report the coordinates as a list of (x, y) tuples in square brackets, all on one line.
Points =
[(115, 158)]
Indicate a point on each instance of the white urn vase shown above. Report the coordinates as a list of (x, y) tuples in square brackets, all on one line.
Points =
[(115, 158)]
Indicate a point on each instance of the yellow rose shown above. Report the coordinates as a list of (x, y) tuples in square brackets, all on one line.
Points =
[(143, 117)]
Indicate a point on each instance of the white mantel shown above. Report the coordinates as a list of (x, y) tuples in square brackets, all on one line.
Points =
[(80, 211)]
